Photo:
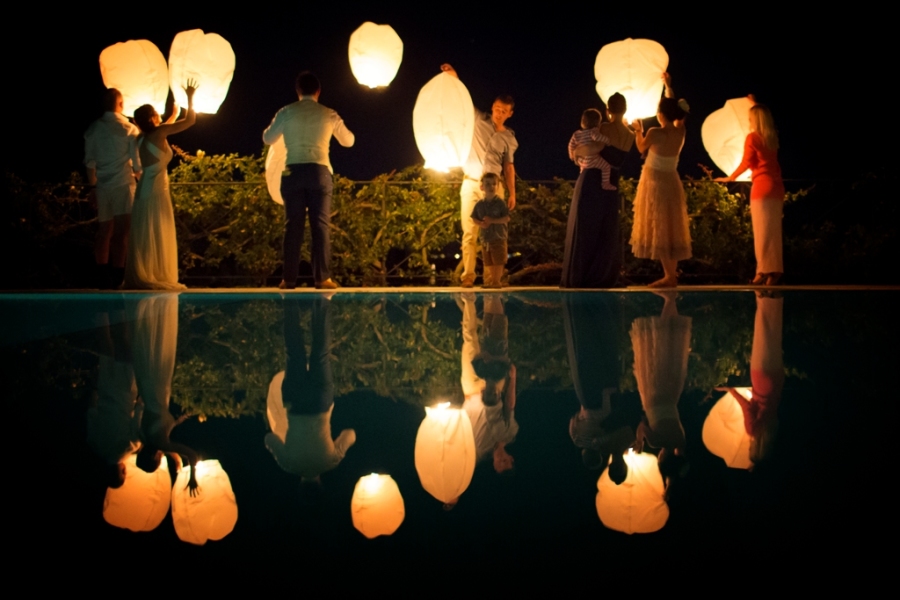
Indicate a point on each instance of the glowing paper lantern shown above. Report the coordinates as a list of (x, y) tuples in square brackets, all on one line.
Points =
[(276, 161), (206, 58), (377, 506), (375, 54), (634, 69), (637, 505), (724, 433), (142, 502), (137, 69), (444, 122), (445, 452), (209, 515), (724, 133)]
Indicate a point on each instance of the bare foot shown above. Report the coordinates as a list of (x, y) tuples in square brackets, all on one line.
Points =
[(665, 282)]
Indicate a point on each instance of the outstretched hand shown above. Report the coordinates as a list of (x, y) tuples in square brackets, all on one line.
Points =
[(192, 485), (190, 87)]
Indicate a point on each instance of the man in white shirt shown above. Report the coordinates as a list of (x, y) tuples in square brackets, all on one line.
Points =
[(306, 184), (111, 159)]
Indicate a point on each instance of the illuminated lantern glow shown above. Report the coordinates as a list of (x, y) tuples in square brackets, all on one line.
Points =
[(212, 513), (208, 59), (634, 69), (444, 122), (142, 502), (276, 161), (724, 433), (276, 413), (138, 70), (445, 453), (377, 506), (376, 52), (724, 133), (638, 504)]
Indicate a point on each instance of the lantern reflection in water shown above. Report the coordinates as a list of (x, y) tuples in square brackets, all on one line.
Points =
[(276, 161), (137, 69), (638, 504), (212, 512), (444, 122), (724, 433), (634, 69), (141, 503), (724, 133), (445, 453), (377, 505), (375, 54), (206, 58)]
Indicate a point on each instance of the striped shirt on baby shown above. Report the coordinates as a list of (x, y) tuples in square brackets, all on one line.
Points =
[(595, 161)]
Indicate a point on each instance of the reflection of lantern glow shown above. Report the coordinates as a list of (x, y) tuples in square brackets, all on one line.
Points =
[(445, 452), (212, 513), (206, 58), (724, 433), (724, 133), (375, 54), (137, 69), (444, 122), (141, 503), (377, 506), (634, 69), (276, 161), (637, 505)]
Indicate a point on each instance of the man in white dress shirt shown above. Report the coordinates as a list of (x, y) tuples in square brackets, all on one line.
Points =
[(306, 184), (111, 159)]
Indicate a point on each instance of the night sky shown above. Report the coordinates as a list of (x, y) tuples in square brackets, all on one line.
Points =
[(542, 60)]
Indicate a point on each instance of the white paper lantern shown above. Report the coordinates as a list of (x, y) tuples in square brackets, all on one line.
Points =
[(633, 68), (208, 59), (724, 133), (276, 161), (209, 515), (637, 505), (137, 69), (445, 452), (444, 122), (377, 506), (724, 433), (375, 54), (142, 502)]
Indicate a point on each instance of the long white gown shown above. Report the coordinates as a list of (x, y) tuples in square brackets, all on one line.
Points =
[(152, 262)]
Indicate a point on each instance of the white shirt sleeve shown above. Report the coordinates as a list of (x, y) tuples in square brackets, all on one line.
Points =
[(275, 129), (343, 135)]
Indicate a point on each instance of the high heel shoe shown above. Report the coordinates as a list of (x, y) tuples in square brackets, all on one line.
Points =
[(759, 279), (773, 278)]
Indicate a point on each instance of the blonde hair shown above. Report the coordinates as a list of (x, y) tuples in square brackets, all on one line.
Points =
[(764, 125)]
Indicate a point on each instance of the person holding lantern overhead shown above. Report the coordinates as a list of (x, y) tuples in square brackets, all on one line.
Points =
[(306, 184), (493, 147), (661, 230)]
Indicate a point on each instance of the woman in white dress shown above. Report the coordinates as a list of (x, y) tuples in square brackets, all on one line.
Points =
[(152, 262)]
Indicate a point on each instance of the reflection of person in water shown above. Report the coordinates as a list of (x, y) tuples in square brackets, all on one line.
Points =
[(114, 419), (155, 342), (492, 412), (661, 347), (301, 399)]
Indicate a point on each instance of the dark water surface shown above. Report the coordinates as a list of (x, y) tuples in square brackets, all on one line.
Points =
[(264, 382)]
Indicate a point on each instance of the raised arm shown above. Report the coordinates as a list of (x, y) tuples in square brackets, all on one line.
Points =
[(190, 118), (667, 80)]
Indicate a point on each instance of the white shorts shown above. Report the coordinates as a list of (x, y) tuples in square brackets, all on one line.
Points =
[(115, 201)]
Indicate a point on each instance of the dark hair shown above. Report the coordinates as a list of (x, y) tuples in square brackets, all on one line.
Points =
[(493, 176), (669, 108), (617, 104), (148, 458), (143, 116), (307, 84), (591, 118), (506, 99), (110, 98)]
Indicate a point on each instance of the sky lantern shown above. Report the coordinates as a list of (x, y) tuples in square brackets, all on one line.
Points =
[(208, 59), (724, 133), (377, 506), (209, 515), (638, 504), (445, 453), (375, 54), (444, 122), (137, 69), (142, 502), (724, 433), (634, 69), (276, 161)]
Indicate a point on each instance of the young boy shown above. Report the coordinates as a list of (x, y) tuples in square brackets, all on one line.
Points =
[(492, 215)]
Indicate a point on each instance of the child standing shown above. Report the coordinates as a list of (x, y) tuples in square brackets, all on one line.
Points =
[(491, 215)]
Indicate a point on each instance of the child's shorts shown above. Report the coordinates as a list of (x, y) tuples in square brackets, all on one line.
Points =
[(494, 254)]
